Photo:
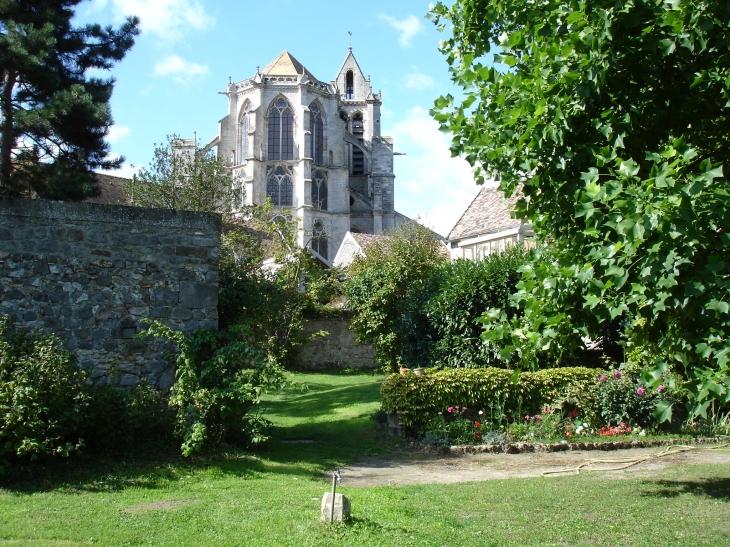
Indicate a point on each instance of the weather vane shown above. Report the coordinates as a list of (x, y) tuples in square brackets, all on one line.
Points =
[(350, 33)]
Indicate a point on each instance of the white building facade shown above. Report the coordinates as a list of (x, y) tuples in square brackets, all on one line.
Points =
[(313, 148)]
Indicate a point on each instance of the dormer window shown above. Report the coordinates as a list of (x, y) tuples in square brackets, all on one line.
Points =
[(349, 85)]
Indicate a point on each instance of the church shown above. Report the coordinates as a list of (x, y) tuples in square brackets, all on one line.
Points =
[(313, 148)]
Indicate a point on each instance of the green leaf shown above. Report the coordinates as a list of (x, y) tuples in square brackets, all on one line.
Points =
[(663, 412)]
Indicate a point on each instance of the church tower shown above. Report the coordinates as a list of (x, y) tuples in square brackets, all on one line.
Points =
[(314, 149)]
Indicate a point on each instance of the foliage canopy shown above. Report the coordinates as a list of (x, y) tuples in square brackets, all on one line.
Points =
[(615, 117), (54, 117), (192, 179)]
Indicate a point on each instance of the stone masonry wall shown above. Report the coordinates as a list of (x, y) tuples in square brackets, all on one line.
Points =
[(90, 272), (337, 350)]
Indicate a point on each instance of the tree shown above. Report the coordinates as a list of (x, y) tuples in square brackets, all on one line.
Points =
[(615, 117), (382, 285), (184, 176), (54, 117)]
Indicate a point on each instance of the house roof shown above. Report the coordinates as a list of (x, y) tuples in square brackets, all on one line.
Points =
[(489, 212), (110, 188), (286, 65), (365, 240)]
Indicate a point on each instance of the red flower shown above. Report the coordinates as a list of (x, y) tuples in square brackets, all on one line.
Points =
[(478, 424), (477, 435)]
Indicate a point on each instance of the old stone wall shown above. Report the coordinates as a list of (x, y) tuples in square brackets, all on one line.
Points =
[(337, 350), (89, 272)]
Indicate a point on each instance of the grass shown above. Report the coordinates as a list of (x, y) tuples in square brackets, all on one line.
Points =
[(271, 497)]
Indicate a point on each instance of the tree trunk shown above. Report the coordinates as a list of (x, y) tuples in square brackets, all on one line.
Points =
[(6, 130)]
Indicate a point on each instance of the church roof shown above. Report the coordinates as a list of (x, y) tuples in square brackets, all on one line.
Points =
[(286, 65), (489, 212)]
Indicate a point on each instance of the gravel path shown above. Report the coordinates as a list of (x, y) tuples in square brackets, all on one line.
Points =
[(431, 469)]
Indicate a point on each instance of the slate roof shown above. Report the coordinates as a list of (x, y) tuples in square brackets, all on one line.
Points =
[(286, 65), (489, 212), (111, 190)]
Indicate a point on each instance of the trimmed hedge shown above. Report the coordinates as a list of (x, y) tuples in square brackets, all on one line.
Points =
[(418, 398)]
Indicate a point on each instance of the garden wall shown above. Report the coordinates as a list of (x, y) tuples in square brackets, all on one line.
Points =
[(89, 272), (337, 350)]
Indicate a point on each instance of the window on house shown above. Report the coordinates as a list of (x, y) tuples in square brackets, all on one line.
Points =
[(316, 129), (281, 131), (358, 157), (349, 85), (245, 126), (279, 186), (319, 239), (319, 190)]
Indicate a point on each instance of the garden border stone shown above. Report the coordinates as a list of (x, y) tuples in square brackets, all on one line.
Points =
[(522, 447)]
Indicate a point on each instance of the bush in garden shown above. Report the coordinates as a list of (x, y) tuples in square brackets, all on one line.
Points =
[(120, 421), (500, 393), (384, 287), (43, 397), (219, 382), (622, 397), (466, 290)]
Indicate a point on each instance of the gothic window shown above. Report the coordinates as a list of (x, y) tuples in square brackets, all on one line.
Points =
[(319, 190), (245, 126), (319, 239), (358, 157), (281, 131), (279, 186), (316, 128), (349, 85)]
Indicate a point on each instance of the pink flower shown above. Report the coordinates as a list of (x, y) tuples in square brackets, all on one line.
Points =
[(660, 389), (450, 409), (602, 378), (527, 418), (617, 374), (537, 417), (641, 391), (463, 408)]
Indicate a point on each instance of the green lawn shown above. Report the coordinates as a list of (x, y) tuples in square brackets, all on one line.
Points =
[(272, 497)]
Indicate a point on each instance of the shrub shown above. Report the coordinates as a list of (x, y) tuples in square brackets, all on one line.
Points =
[(466, 290), (622, 397), (503, 394), (383, 285), (43, 397), (124, 420), (219, 382)]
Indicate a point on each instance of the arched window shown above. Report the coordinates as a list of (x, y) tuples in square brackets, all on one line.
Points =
[(319, 190), (281, 131), (319, 239), (279, 187), (245, 126), (316, 128), (349, 85), (358, 157)]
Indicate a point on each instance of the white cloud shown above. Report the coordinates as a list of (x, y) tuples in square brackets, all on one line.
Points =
[(409, 27), (417, 80), (167, 19), (181, 70), (430, 184), (117, 132)]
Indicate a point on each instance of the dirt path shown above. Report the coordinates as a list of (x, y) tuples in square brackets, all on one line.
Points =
[(426, 469)]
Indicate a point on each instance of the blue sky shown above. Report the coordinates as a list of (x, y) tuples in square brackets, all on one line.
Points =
[(169, 81)]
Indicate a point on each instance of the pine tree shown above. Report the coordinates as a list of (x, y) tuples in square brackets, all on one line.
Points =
[(54, 117)]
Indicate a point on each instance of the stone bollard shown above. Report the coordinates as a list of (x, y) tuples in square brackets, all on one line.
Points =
[(342, 508)]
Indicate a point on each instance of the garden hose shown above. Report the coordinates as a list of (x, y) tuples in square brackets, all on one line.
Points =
[(625, 463)]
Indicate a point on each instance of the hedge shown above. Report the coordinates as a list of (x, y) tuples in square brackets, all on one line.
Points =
[(418, 398)]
